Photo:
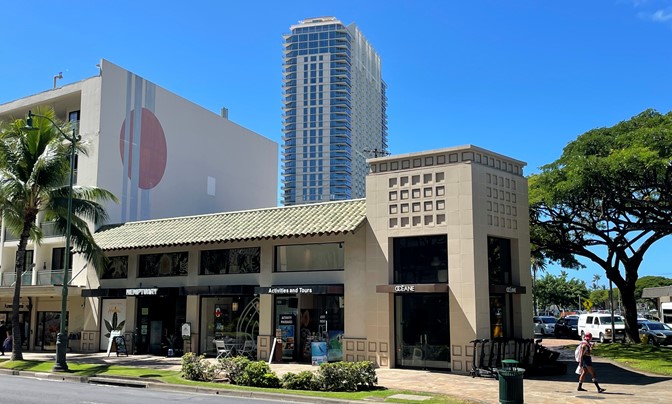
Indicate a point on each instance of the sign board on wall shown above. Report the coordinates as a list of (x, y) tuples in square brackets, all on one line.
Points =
[(186, 331), (113, 318)]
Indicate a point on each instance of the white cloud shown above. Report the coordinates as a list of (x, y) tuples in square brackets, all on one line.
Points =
[(635, 3), (662, 15)]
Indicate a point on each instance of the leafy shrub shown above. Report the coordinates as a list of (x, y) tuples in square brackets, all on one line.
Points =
[(233, 368), (345, 376), (197, 368), (334, 377), (298, 381), (259, 374), (366, 374)]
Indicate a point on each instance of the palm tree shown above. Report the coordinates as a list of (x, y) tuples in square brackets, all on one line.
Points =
[(596, 282), (34, 166), (537, 263)]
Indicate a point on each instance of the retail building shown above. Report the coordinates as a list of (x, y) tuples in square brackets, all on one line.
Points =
[(177, 159), (334, 112), (434, 257)]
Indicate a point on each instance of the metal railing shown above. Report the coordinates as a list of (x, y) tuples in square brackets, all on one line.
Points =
[(8, 278), (48, 230), (44, 277)]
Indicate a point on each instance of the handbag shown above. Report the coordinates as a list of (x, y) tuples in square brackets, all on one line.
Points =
[(578, 370)]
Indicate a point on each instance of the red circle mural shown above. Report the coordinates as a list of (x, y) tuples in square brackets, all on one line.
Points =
[(152, 149)]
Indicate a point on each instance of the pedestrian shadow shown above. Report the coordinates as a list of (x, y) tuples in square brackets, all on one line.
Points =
[(607, 373)]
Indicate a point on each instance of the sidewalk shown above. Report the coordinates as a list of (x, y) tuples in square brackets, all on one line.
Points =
[(623, 385)]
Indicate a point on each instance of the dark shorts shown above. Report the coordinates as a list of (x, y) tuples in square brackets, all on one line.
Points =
[(586, 361)]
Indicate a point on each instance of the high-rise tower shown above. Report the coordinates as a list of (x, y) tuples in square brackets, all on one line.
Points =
[(334, 113)]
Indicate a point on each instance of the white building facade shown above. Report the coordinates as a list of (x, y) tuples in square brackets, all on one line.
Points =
[(177, 159)]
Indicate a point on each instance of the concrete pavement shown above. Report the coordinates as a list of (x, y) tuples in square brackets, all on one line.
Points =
[(623, 385)]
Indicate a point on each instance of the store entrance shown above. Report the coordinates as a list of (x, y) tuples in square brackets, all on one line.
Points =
[(309, 323), (159, 320), (422, 330)]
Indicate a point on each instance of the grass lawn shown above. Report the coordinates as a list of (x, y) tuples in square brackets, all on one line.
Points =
[(643, 357), (173, 377)]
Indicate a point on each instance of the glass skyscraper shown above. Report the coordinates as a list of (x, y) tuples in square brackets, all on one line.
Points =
[(334, 113)]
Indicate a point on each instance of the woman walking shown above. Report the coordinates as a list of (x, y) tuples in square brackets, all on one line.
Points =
[(586, 363)]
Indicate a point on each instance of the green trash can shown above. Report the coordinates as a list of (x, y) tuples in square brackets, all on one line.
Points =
[(510, 382)]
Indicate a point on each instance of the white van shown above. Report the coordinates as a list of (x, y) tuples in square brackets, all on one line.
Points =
[(666, 313), (599, 325)]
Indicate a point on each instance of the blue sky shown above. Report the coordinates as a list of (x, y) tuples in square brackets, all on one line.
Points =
[(521, 78)]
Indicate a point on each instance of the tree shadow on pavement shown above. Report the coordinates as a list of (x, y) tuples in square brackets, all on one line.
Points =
[(606, 373)]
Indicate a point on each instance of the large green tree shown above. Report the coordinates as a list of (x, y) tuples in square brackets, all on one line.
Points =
[(608, 199), (560, 291), (34, 170), (650, 282)]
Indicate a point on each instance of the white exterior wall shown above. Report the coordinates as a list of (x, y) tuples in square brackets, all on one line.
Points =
[(211, 164), (367, 107), (199, 145)]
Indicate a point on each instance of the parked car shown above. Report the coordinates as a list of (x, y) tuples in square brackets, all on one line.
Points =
[(544, 325), (599, 324), (567, 327), (655, 332)]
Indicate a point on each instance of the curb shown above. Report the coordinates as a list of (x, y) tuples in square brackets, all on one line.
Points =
[(130, 382)]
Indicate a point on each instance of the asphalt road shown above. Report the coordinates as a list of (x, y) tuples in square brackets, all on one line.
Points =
[(26, 390)]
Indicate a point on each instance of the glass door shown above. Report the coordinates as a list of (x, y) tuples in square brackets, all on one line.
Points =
[(286, 324), (48, 325), (422, 330)]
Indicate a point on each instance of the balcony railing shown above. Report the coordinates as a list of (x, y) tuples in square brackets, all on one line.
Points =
[(44, 277), (8, 278), (48, 230)]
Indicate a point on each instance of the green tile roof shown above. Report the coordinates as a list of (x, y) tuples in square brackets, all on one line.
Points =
[(289, 221)]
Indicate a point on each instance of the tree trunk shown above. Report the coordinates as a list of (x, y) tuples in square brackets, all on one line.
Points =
[(630, 311), (17, 338)]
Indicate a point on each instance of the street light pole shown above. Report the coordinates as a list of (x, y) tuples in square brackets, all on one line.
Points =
[(60, 364)]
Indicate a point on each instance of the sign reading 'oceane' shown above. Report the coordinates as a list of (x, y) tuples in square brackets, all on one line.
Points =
[(404, 288)]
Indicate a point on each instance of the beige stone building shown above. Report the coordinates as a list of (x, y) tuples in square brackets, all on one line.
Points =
[(434, 257)]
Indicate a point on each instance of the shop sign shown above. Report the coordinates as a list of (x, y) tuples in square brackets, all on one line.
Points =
[(142, 292), (507, 289), (303, 289), (288, 291), (404, 288), (286, 319)]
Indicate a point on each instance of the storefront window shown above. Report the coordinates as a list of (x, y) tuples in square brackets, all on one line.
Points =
[(48, 325), (167, 264), (499, 261), (117, 268), (229, 317), (230, 261), (499, 273), (500, 319), (421, 259), (311, 327), (310, 257)]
